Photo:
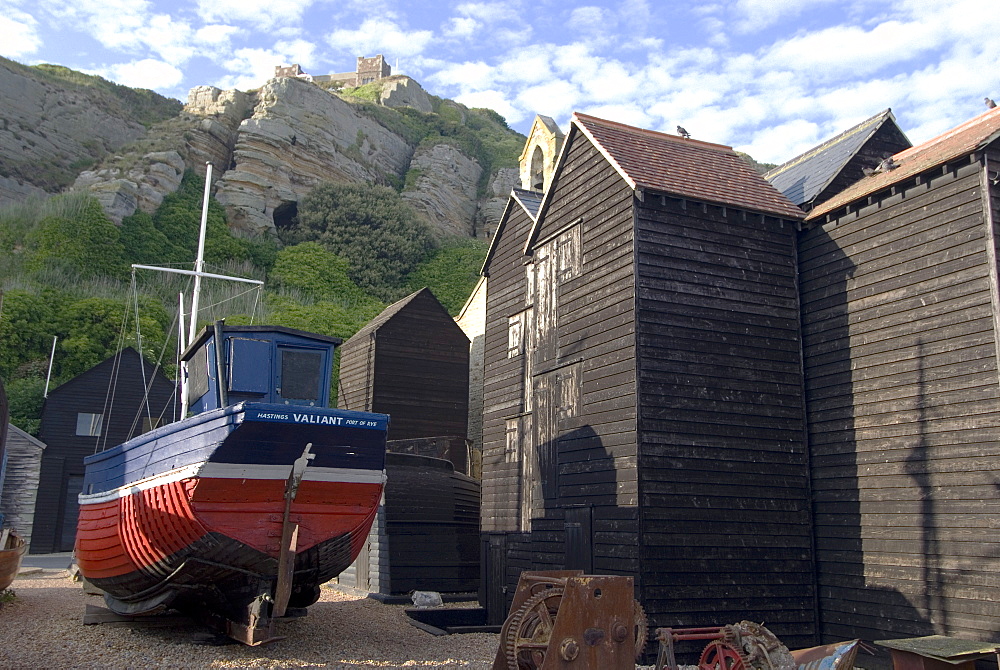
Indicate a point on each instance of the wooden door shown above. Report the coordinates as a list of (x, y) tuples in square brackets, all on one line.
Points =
[(71, 510)]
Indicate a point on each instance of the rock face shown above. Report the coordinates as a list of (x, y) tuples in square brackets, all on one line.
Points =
[(47, 132), (298, 137), (206, 131), (402, 91), (142, 187), (497, 193), (445, 188), (269, 148)]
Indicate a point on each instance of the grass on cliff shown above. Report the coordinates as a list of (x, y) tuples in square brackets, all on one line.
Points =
[(139, 104)]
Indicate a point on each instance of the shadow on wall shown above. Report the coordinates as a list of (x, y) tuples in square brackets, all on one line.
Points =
[(858, 548)]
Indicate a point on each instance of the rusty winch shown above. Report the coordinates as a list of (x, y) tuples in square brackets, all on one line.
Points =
[(565, 619), (741, 646)]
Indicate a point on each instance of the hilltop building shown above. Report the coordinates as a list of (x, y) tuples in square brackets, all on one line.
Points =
[(368, 69)]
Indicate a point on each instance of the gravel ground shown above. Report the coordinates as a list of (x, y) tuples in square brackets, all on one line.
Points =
[(43, 628)]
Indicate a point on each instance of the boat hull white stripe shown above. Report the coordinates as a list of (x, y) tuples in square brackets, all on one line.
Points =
[(237, 471)]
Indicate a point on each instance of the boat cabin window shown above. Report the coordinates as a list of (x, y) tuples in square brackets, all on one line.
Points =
[(198, 374), (300, 373), (89, 424)]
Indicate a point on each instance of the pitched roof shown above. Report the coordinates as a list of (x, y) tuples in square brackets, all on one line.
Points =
[(395, 308), (961, 140), (805, 177), (18, 434), (647, 159), (529, 201)]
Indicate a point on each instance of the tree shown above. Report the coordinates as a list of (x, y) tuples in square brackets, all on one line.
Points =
[(371, 226)]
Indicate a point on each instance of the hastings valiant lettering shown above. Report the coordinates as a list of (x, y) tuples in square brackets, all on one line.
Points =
[(318, 418)]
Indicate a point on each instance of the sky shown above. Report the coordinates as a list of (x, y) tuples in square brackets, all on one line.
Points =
[(772, 78)]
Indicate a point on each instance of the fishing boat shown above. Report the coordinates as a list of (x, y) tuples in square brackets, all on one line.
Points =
[(239, 511), (12, 549)]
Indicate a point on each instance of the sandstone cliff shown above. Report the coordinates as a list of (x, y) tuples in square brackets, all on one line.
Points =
[(269, 148), (52, 126)]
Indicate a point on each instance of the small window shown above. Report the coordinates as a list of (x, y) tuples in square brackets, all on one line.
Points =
[(301, 372), (511, 450), (89, 424), (515, 335), (151, 422)]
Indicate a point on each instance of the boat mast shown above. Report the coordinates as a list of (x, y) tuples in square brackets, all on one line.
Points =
[(198, 273), (199, 264)]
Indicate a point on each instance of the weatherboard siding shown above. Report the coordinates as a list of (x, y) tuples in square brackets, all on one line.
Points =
[(724, 502), (412, 363), (899, 312), (577, 417)]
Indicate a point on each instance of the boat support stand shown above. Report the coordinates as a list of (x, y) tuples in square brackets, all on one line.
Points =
[(260, 626)]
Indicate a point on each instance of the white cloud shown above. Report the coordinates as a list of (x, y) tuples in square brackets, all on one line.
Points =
[(590, 19), (264, 14), (297, 51), (147, 73), (495, 100), (113, 23), (460, 27), (216, 35), (755, 15), (20, 34), (489, 12), (250, 68), (784, 141), (381, 36)]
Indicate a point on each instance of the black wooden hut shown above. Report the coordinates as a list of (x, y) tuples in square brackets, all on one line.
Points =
[(643, 412), (412, 363), (98, 409), (900, 323)]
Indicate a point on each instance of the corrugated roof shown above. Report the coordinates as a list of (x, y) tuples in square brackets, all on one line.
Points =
[(698, 170), (804, 177), (959, 141)]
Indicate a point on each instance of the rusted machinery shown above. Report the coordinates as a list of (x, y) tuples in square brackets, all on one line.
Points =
[(564, 619), (741, 646)]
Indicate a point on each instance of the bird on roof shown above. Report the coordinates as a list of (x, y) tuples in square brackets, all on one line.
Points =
[(683, 133), (989, 103), (887, 164)]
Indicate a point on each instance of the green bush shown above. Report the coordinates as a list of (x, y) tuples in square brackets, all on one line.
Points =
[(371, 226), (89, 244), (93, 328), (27, 325), (316, 272), (451, 272), (26, 398)]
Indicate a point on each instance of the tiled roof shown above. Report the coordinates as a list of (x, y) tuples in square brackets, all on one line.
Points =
[(959, 141), (804, 177), (689, 168)]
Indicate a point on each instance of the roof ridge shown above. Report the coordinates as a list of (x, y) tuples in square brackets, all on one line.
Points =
[(654, 133), (962, 127), (836, 139)]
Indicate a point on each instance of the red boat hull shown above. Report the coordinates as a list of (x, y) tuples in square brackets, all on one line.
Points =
[(156, 545)]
